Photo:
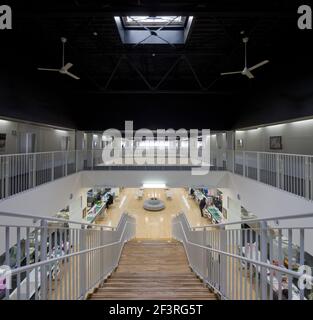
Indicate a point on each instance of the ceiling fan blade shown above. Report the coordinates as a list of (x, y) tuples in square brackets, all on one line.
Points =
[(229, 73), (47, 69), (71, 75), (67, 66), (249, 74), (259, 65)]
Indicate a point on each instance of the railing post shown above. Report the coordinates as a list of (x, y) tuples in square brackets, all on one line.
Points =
[(233, 160), (282, 172), (306, 178), (7, 256), (258, 169), (43, 257), (82, 262), (223, 261), (101, 252), (52, 166), (263, 249), (66, 160), (92, 158), (205, 253), (7, 176), (34, 170), (277, 170), (76, 160)]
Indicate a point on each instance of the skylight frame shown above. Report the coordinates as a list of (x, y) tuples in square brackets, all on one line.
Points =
[(154, 25), (162, 34)]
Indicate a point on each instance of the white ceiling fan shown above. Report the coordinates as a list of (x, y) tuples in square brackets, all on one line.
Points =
[(246, 71), (65, 67)]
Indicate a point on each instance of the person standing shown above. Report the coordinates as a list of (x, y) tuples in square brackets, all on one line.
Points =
[(202, 204)]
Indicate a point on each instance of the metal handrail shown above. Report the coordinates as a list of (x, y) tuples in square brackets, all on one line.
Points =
[(278, 153), (295, 216), (41, 152), (241, 255), (68, 262), (26, 216), (136, 148), (261, 264), (95, 150), (48, 261), (25, 171)]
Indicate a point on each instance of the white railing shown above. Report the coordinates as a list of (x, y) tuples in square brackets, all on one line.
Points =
[(57, 259), (253, 259), (20, 172), (170, 158), (288, 172)]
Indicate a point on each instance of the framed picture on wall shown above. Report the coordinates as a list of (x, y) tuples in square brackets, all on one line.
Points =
[(276, 143)]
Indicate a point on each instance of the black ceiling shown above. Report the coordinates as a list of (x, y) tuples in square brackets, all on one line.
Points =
[(157, 86)]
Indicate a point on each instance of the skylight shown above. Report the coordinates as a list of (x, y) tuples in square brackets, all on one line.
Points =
[(141, 30), (154, 21)]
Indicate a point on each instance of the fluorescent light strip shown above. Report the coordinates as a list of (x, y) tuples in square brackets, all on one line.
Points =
[(154, 185), (60, 131), (276, 126), (307, 121)]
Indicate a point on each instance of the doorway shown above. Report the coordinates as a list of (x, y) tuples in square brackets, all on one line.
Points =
[(27, 142)]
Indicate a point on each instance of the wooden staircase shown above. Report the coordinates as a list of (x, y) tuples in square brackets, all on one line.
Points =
[(153, 270)]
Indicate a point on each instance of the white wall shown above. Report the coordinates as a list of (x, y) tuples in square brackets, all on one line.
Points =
[(172, 179), (47, 139), (231, 204), (297, 137), (265, 202), (44, 200), (77, 204), (258, 198)]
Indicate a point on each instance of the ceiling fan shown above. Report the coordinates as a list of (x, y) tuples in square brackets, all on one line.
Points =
[(65, 67), (246, 71)]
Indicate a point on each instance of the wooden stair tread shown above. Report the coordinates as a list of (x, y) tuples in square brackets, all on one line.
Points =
[(153, 270), (154, 297), (168, 288)]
